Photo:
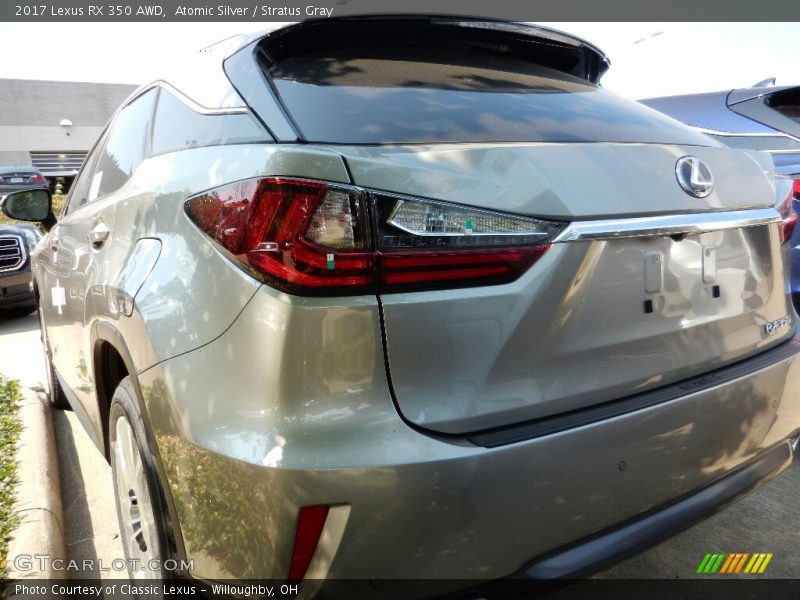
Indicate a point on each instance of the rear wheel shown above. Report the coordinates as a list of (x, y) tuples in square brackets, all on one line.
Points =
[(138, 492)]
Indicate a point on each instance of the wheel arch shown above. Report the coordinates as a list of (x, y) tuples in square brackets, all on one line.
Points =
[(112, 361)]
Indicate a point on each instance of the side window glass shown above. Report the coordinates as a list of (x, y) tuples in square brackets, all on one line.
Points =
[(80, 187), (124, 149), (177, 126)]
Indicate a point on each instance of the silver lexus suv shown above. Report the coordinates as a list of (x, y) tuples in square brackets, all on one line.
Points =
[(391, 298)]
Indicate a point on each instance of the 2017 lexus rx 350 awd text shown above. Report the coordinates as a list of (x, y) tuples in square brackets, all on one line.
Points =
[(414, 298)]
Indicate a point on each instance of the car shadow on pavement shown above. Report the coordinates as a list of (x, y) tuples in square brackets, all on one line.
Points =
[(19, 325), (78, 530)]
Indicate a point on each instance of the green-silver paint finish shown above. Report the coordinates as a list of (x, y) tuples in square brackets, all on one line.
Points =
[(260, 402)]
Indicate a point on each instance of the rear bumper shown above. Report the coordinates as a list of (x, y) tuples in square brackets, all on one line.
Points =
[(611, 546), (246, 442)]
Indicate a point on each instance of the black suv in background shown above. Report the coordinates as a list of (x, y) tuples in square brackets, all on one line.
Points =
[(16, 283)]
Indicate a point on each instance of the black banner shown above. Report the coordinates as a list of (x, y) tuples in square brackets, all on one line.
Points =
[(292, 10), (710, 588)]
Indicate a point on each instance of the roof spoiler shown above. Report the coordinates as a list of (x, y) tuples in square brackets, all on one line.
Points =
[(587, 62)]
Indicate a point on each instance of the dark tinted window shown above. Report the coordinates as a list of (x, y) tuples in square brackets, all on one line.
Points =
[(400, 94), (787, 103), (124, 149), (178, 126)]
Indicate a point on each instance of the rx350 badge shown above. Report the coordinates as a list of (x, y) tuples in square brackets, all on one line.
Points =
[(777, 324)]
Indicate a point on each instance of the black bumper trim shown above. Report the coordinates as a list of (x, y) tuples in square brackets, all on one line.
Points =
[(511, 434), (620, 542)]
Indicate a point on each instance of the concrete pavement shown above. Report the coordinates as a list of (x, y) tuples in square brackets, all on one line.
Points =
[(65, 496), (38, 495)]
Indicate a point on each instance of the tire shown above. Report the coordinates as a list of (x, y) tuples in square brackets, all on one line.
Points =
[(141, 505), (17, 312), (54, 392)]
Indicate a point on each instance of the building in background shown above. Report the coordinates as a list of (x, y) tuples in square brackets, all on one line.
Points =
[(52, 125)]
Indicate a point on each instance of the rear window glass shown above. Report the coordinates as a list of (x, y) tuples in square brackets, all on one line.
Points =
[(787, 103), (397, 94), (177, 127)]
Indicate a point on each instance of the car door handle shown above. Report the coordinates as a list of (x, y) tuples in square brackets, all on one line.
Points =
[(98, 234)]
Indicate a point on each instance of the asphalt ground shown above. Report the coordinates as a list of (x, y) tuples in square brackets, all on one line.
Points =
[(766, 521)]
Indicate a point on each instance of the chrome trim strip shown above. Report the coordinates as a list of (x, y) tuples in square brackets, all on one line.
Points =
[(740, 134), (795, 151), (21, 248), (666, 225), (198, 108)]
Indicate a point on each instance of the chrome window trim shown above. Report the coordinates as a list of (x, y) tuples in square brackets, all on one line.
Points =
[(740, 134), (737, 133), (199, 108), (794, 151), (610, 229), (22, 253)]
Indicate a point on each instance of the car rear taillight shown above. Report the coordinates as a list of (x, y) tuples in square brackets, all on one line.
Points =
[(426, 242), (312, 237), (37, 178), (788, 192), (2, 180)]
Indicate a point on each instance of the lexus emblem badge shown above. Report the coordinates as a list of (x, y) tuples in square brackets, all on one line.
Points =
[(694, 176)]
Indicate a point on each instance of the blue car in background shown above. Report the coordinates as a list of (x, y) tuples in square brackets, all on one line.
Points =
[(763, 117)]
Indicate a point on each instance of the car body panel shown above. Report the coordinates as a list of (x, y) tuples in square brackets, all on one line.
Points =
[(187, 267), (259, 402), (602, 180), (465, 361), (742, 119), (422, 507), (704, 111), (494, 355)]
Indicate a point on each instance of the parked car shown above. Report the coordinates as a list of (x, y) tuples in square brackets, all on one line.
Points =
[(763, 117), (20, 178), (388, 298), (17, 297)]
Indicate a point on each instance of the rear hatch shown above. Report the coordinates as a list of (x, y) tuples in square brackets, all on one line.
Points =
[(638, 283), (617, 307)]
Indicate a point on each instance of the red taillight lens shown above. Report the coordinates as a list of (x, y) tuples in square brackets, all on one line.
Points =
[(277, 227), (785, 206), (37, 178), (309, 528), (402, 269), (311, 237)]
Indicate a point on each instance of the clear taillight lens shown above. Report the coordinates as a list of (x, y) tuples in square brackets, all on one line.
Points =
[(436, 244), (788, 191), (311, 237)]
